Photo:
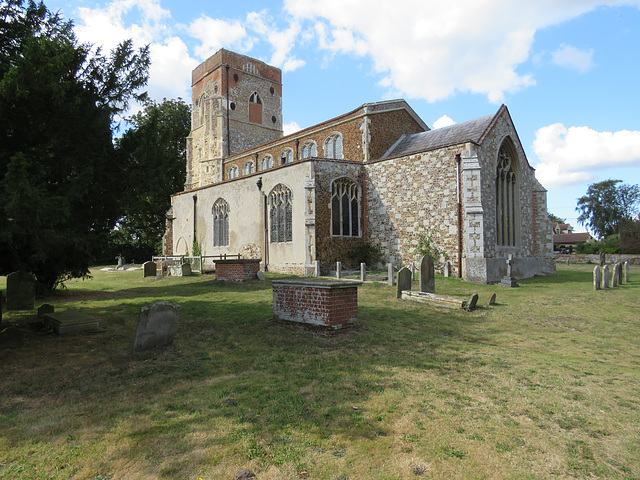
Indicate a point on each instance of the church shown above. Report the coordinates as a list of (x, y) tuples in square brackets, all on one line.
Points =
[(376, 174)]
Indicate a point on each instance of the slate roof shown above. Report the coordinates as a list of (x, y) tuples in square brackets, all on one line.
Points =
[(471, 131), (569, 238)]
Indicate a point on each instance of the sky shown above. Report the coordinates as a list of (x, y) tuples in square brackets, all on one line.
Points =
[(568, 70)]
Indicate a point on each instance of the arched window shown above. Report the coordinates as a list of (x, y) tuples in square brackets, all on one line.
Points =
[(220, 223), (309, 149), (255, 108), (333, 146), (345, 208), (233, 172), (280, 214), (248, 168), (266, 162), (286, 156), (506, 195)]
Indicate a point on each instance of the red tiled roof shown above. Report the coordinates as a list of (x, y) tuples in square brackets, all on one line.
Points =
[(569, 238)]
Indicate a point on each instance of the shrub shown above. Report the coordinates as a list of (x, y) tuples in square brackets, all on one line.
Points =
[(365, 253)]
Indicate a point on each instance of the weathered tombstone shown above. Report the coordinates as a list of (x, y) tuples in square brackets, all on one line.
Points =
[(471, 303), (603, 259), (446, 270), (338, 269), (626, 272), (404, 281), (120, 260), (149, 269), (427, 275), (620, 276), (157, 326), (508, 280), (597, 278), (45, 308), (260, 275), (363, 272), (412, 267), (614, 275), (390, 275), (21, 291), (605, 276), (492, 299), (185, 269)]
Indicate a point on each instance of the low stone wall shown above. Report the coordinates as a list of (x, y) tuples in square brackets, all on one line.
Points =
[(595, 259), (239, 270), (325, 303)]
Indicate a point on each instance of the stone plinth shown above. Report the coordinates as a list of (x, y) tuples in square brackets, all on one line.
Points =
[(238, 270), (69, 323), (326, 303)]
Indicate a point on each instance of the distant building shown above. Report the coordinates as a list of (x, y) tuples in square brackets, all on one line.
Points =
[(569, 241), (376, 174), (562, 228)]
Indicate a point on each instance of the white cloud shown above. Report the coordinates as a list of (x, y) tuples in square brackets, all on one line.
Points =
[(281, 40), (574, 59), (568, 155), (215, 33), (170, 71), (289, 128), (443, 121), (434, 50)]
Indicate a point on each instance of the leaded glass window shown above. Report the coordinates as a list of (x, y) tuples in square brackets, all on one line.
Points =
[(333, 146), (345, 208), (220, 223), (280, 214), (309, 149), (506, 196)]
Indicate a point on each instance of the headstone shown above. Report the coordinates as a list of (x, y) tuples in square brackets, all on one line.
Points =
[(149, 269), (338, 269), (120, 260), (391, 278), (317, 268), (21, 291), (45, 308), (363, 272), (185, 269), (614, 275), (603, 259), (427, 275), (446, 270), (260, 275), (508, 280), (404, 281), (605, 276), (597, 278), (412, 267), (626, 272), (620, 276), (471, 303), (157, 326), (492, 299)]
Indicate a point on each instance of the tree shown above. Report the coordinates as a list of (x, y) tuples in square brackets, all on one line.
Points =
[(59, 171), (155, 152), (554, 218), (606, 204)]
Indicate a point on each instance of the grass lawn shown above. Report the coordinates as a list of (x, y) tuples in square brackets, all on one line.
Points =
[(545, 384)]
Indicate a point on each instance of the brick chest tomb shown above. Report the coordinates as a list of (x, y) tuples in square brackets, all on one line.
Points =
[(325, 303), (237, 270)]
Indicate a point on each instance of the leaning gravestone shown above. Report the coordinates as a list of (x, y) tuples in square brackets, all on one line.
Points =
[(471, 303), (404, 281), (626, 272), (21, 291), (149, 269), (492, 299), (157, 326), (427, 275), (390, 276), (446, 270), (597, 278), (605, 276)]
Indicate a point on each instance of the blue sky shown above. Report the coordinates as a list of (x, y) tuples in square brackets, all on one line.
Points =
[(568, 70)]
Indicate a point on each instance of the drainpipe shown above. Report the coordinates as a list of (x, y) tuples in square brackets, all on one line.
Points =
[(195, 218), (228, 127), (266, 225), (458, 165), (297, 143)]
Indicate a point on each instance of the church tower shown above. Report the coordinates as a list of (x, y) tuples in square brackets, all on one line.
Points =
[(236, 105)]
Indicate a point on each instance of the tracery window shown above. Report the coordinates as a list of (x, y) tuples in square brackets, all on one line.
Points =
[(266, 162), (220, 223), (333, 146), (233, 172), (506, 196), (280, 214), (248, 168), (345, 208), (286, 156), (309, 149)]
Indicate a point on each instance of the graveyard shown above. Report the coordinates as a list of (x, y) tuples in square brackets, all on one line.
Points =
[(541, 384)]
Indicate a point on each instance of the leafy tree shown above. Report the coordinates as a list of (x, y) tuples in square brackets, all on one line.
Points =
[(630, 236), (606, 204), (155, 152), (59, 171), (555, 219)]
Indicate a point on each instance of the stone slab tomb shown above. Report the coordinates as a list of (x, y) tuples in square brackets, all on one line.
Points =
[(238, 270), (21, 291), (332, 304), (70, 323), (157, 325)]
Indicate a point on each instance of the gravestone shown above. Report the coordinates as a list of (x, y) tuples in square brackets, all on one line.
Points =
[(363, 272), (597, 278), (492, 299), (427, 275), (603, 259), (626, 272), (471, 303), (21, 291), (185, 269), (390, 275), (605, 276), (120, 260), (157, 326), (508, 280), (412, 267), (446, 270), (149, 269), (44, 309), (338, 270), (614, 275), (316, 272), (620, 276), (260, 275), (404, 281)]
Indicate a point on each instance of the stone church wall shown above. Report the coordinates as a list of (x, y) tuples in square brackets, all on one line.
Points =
[(386, 129)]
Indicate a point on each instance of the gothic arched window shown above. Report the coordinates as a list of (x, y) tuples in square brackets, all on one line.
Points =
[(248, 168), (220, 223), (309, 149), (266, 162), (280, 214), (333, 146), (233, 172), (345, 208), (286, 156), (506, 195), (255, 108)]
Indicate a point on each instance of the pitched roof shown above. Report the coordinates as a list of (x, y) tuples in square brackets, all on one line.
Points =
[(470, 131), (569, 238)]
